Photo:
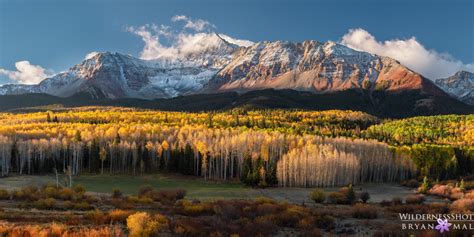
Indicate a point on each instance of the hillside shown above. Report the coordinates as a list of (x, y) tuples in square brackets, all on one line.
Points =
[(379, 103)]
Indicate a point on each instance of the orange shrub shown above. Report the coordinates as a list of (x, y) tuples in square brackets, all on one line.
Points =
[(65, 194), (363, 211), (118, 215), (97, 217), (141, 224), (463, 205)]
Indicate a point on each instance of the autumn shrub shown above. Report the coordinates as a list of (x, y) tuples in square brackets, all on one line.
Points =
[(50, 191), (18, 195), (364, 211), (118, 215), (47, 203), (116, 193), (337, 198), (56, 229), (79, 189), (29, 193), (195, 209), (456, 193), (90, 198), (469, 194), (346, 195), (82, 206), (68, 205), (261, 200), (145, 190), (440, 190), (4, 195), (463, 205), (167, 196), (65, 194), (318, 196), (290, 216), (140, 199), (141, 224), (161, 222), (415, 199), (97, 217), (137, 224)]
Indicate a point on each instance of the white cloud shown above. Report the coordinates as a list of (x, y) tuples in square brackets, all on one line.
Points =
[(153, 48), (90, 55), (409, 52), (181, 43), (197, 25), (179, 18), (26, 73), (239, 42)]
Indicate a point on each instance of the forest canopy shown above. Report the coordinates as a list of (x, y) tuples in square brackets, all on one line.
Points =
[(260, 148)]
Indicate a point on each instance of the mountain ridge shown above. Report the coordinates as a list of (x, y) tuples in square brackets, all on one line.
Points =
[(218, 66), (379, 103)]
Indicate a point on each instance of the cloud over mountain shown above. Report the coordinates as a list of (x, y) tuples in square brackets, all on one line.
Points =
[(164, 42), (409, 52), (26, 73), (197, 25)]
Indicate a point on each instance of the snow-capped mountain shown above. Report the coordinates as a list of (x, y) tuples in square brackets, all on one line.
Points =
[(114, 75), (315, 67), (214, 64), (459, 85)]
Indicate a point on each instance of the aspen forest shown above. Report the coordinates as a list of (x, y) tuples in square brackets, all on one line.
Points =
[(112, 171), (259, 148)]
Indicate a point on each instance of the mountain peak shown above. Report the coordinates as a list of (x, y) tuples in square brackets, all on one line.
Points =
[(316, 67), (464, 74), (460, 85)]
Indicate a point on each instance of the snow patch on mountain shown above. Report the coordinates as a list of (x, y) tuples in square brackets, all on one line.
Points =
[(459, 85), (116, 75)]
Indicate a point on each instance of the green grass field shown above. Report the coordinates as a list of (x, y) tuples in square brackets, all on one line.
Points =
[(195, 188)]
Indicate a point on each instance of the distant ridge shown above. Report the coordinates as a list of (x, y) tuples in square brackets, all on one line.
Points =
[(381, 104)]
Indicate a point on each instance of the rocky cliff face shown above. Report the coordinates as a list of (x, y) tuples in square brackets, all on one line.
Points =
[(315, 67), (460, 86)]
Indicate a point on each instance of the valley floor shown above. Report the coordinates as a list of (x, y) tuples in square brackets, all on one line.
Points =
[(210, 208), (197, 188)]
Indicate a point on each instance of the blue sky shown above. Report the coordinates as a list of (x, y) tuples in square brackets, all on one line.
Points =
[(56, 34)]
